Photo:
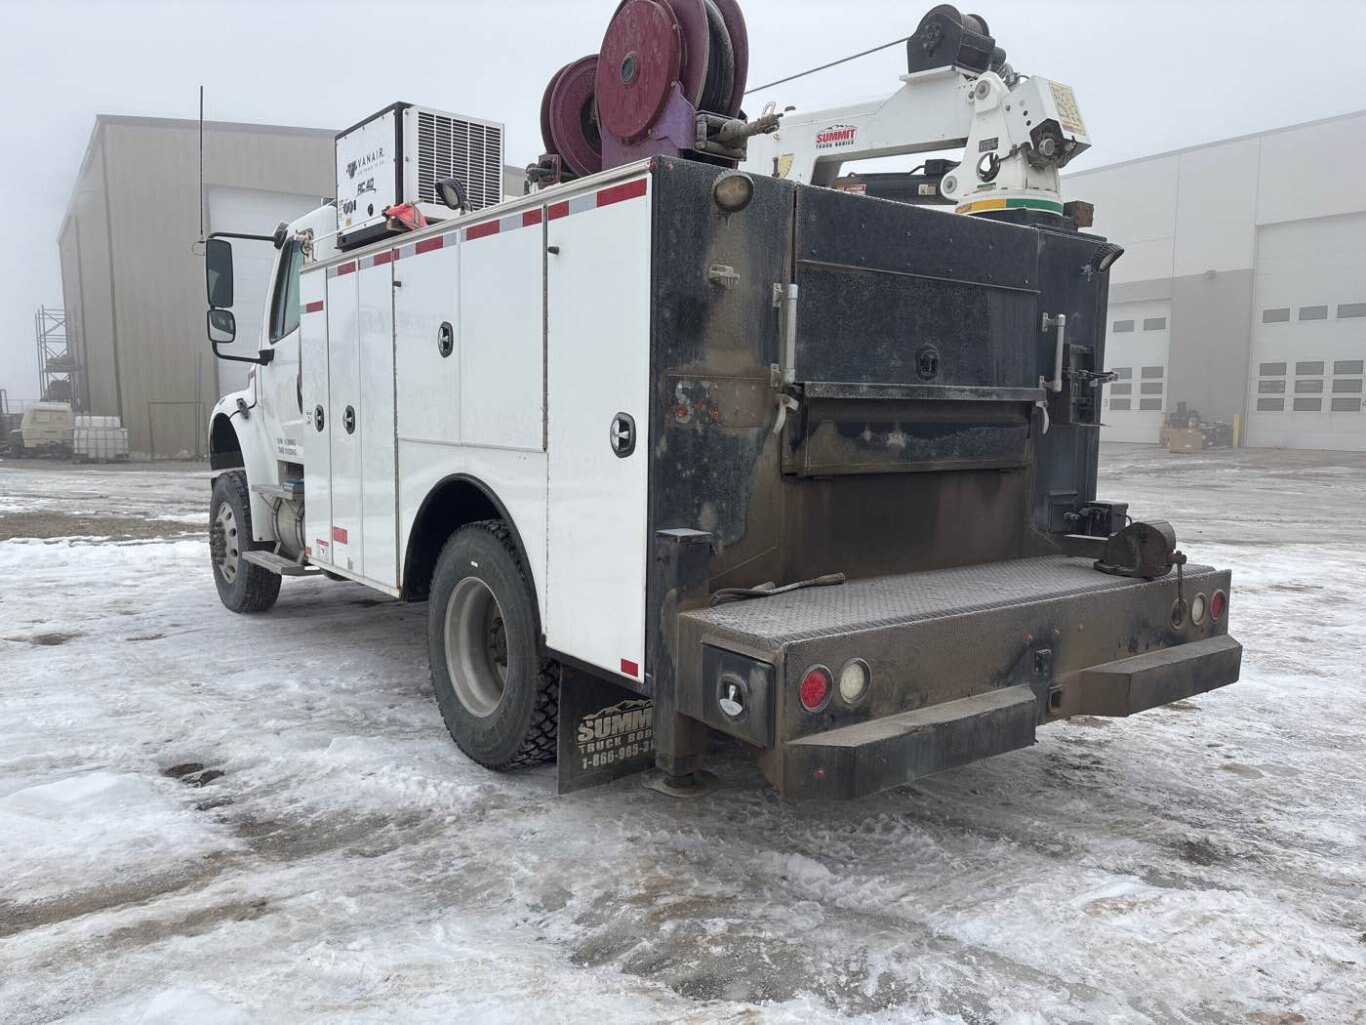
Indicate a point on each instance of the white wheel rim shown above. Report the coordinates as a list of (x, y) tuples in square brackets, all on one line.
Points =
[(476, 647), (232, 548)]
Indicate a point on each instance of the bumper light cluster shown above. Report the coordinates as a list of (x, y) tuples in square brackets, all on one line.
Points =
[(818, 685)]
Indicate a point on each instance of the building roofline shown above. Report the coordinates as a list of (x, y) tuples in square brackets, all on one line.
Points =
[(101, 120), (1220, 142), (217, 126)]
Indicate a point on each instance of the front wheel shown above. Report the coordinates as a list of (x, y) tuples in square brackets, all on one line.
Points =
[(242, 586), (498, 696)]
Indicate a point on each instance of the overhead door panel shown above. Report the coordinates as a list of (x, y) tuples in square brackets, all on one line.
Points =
[(1309, 335), (1137, 349)]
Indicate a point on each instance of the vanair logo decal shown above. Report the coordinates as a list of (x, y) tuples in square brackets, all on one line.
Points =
[(836, 137), (353, 166)]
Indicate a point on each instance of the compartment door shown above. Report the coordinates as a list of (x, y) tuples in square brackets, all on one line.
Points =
[(598, 369), (375, 421), (317, 453), (340, 417)]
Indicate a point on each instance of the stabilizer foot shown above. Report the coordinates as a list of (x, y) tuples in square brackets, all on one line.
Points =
[(695, 784)]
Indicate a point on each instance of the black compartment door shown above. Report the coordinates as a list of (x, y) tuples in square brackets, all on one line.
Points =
[(896, 294), (917, 338)]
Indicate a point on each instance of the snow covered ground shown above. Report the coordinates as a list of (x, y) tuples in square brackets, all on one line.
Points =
[(214, 819)]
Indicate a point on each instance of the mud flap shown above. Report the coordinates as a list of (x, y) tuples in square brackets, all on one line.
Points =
[(606, 732)]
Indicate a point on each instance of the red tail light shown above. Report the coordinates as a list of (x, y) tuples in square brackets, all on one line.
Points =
[(1218, 604), (815, 688)]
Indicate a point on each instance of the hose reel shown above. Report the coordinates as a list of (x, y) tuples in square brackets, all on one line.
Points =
[(668, 80)]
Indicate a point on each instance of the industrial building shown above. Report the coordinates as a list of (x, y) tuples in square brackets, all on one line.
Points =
[(1242, 292), (133, 277), (132, 280)]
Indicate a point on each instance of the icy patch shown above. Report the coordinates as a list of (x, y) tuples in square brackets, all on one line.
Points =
[(180, 1006), (94, 828)]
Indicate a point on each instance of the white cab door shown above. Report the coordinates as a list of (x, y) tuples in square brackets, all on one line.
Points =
[(281, 393)]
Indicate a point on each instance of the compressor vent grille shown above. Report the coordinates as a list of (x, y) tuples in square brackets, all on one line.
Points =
[(449, 147)]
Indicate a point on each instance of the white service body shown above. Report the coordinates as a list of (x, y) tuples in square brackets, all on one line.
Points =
[(522, 405)]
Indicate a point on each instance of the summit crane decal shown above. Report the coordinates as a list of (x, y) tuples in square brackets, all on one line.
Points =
[(836, 136)]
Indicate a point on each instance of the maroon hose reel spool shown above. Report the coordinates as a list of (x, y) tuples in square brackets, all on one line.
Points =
[(661, 63)]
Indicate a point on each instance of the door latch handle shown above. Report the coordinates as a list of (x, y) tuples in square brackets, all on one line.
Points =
[(623, 435)]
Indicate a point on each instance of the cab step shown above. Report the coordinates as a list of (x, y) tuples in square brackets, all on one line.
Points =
[(290, 490), (279, 564)]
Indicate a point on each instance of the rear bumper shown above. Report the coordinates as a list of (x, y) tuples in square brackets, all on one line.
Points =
[(964, 663), (862, 759)]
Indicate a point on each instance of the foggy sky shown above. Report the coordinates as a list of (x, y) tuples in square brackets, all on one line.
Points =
[(1149, 76)]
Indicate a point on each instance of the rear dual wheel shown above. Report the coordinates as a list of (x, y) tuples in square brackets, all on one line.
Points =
[(498, 694)]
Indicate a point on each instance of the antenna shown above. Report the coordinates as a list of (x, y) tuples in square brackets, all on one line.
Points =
[(201, 163)]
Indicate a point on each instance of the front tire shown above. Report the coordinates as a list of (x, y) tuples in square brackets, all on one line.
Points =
[(242, 586), (498, 695)]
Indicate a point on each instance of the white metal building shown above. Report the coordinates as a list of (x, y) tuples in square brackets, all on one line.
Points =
[(1243, 287)]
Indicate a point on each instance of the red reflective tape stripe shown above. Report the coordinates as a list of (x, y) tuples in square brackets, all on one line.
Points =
[(630, 668), (428, 244), (531, 217), (346, 268), (617, 193), (481, 230), (339, 534), (316, 307), (557, 210), (383, 257)]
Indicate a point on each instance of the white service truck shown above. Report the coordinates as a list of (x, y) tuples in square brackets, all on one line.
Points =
[(673, 448)]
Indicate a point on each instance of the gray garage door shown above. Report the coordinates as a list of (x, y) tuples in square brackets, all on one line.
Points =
[(1137, 343), (1309, 335)]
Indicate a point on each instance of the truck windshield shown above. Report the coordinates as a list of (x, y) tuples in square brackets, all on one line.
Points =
[(284, 303)]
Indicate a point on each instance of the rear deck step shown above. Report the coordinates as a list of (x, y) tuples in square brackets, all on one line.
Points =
[(857, 760), (279, 564)]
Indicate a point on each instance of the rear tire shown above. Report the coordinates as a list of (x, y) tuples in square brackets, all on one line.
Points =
[(242, 586), (498, 694)]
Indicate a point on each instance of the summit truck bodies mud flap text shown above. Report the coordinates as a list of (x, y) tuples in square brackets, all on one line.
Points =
[(959, 664)]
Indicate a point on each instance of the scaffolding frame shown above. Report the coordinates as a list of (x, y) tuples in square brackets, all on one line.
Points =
[(59, 373)]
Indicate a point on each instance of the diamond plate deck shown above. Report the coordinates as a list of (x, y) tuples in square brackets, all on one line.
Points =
[(816, 612)]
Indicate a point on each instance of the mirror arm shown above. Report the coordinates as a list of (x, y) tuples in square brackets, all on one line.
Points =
[(260, 359), (238, 234)]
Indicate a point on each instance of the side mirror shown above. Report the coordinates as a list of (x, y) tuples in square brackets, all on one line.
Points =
[(218, 273), (222, 327)]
